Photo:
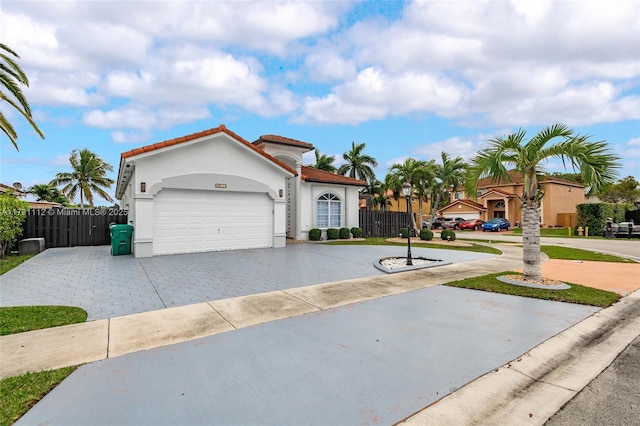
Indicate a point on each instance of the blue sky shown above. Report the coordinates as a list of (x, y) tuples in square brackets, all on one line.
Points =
[(409, 79)]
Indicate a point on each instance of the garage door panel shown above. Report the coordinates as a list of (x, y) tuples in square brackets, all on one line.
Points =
[(189, 221)]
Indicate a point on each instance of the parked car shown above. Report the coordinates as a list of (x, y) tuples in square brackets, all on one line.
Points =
[(452, 222), (621, 230), (496, 224), (474, 224), (437, 223)]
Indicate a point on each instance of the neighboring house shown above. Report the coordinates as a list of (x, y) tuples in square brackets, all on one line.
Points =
[(501, 199), (213, 190), (17, 192), (32, 204)]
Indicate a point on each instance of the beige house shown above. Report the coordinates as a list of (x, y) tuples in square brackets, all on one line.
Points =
[(502, 199)]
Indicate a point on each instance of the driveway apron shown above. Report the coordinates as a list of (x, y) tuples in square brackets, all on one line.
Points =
[(373, 362), (107, 286)]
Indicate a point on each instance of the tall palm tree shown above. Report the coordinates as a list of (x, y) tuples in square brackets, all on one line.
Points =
[(418, 173), (449, 174), (325, 162), (596, 164), (11, 77), (88, 176), (358, 165)]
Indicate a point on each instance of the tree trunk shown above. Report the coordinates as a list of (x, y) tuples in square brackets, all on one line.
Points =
[(435, 206), (531, 241)]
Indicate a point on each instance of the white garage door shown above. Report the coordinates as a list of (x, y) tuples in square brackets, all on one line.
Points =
[(187, 221), (469, 216)]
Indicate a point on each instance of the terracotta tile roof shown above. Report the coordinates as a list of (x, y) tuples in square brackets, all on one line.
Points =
[(469, 203), (310, 174), (493, 190), (517, 179), (283, 141), (5, 188), (221, 129)]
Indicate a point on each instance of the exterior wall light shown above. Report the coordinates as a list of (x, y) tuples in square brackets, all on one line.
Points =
[(143, 187)]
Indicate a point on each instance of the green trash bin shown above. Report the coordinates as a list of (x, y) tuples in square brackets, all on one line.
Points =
[(120, 239)]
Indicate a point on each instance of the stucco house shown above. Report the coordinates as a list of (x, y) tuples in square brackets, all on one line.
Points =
[(501, 199), (213, 190)]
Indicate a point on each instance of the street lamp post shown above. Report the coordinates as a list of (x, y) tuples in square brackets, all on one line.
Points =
[(406, 190)]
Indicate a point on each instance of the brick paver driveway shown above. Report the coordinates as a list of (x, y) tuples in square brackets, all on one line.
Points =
[(107, 286)]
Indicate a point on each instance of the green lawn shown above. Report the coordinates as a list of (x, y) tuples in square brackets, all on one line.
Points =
[(380, 241), (576, 294), (557, 252), (560, 232), (9, 262), (20, 393), (18, 319)]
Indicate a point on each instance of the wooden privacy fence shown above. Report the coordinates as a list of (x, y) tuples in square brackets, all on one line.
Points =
[(72, 227), (382, 224), (567, 220)]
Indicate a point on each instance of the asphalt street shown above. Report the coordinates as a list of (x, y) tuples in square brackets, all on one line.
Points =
[(612, 398)]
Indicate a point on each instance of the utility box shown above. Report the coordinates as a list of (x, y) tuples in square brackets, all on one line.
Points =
[(120, 239)]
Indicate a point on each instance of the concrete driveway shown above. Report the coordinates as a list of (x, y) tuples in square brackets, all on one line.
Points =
[(108, 286), (374, 362)]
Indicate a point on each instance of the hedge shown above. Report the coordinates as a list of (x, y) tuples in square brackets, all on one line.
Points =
[(344, 233), (315, 234), (356, 232), (426, 235), (595, 215), (333, 234), (448, 235)]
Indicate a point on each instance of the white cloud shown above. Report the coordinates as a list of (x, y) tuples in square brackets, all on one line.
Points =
[(130, 137), (498, 62), (142, 119), (455, 147)]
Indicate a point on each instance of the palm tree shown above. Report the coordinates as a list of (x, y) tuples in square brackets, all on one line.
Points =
[(11, 77), (48, 192), (88, 176), (596, 164), (416, 172), (375, 194), (449, 174), (324, 162), (358, 165)]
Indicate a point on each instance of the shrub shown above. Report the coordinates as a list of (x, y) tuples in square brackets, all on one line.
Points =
[(12, 214), (344, 233), (332, 234), (315, 234), (426, 235), (448, 235), (356, 232), (404, 232), (595, 215)]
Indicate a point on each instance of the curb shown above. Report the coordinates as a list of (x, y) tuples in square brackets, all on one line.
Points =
[(532, 388)]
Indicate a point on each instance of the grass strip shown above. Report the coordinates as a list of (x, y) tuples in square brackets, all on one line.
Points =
[(7, 263), (561, 233), (557, 252), (18, 319), (20, 393), (576, 294), (381, 241)]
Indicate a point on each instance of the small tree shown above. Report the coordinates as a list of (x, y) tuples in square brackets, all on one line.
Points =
[(12, 214)]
